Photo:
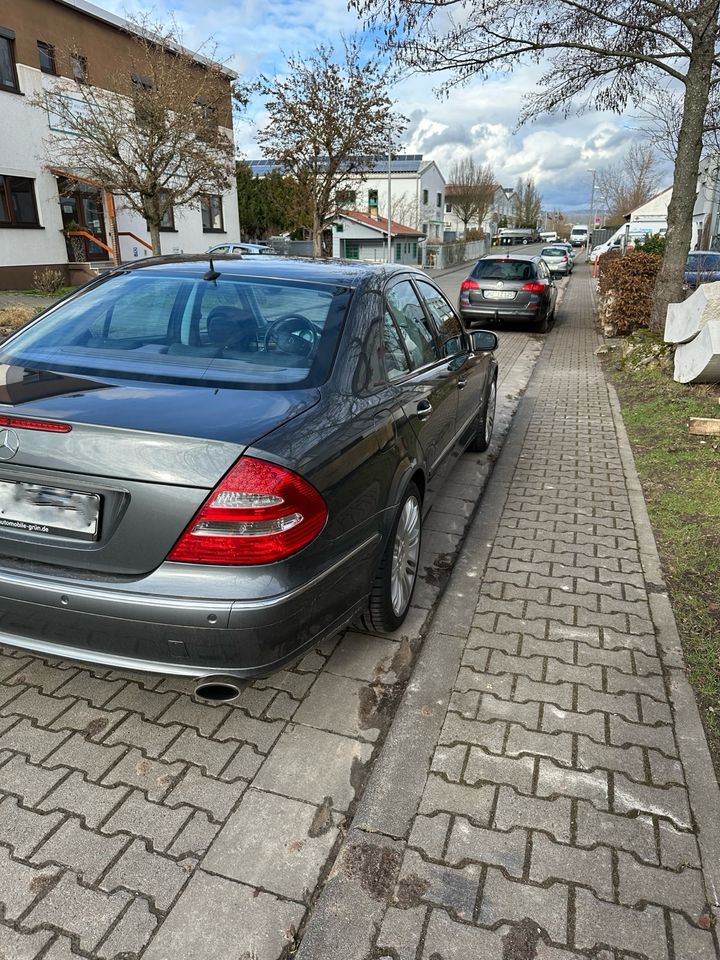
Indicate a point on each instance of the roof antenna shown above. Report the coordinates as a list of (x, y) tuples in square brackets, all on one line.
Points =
[(212, 273)]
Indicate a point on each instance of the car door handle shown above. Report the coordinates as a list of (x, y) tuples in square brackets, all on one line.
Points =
[(461, 383), (424, 409)]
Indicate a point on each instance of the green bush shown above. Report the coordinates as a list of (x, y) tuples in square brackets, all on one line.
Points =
[(655, 243)]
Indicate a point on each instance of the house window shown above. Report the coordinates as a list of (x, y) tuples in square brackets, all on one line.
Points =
[(438, 200), (8, 73), (426, 196), (373, 199), (346, 198), (167, 222), (78, 65), (46, 53), (212, 213), (17, 202), (207, 112), (448, 208), (424, 229)]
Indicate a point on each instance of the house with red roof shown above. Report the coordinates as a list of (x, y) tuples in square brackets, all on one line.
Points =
[(364, 236)]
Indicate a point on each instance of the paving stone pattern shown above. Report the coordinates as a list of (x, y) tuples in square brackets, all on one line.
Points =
[(556, 821), (136, 821)]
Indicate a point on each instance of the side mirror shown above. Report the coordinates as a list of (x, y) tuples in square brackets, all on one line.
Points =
[(484, 341)]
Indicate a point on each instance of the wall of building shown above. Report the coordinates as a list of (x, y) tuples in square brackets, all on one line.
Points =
[(24, 128), (407, 197)]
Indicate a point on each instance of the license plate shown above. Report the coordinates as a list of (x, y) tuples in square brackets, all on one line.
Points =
[(499, 294), (52, 511)]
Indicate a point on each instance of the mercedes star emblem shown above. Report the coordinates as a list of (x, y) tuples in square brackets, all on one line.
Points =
[(499, 284), (9, 444)]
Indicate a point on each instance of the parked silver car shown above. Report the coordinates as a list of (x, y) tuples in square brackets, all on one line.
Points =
[(242, 249), (558, 260), (206, 469)]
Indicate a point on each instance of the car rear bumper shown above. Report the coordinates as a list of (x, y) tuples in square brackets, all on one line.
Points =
[(496, 314), (182, 635)]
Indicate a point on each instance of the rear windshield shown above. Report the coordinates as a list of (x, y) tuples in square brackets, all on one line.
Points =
[(505, 269), (554, 252), (703, 261), (170, 326)]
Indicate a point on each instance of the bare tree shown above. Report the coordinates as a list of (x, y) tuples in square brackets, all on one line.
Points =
[(154, 135), (327, 116), (630, 182), (471, 190), (527, 203), (607, 55)]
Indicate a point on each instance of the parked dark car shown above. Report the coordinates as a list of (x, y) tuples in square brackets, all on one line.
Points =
[(204, 471), (702, 266), (508, 287)]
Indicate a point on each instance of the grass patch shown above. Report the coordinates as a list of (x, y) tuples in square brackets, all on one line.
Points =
[(680, 476), (56, 294)]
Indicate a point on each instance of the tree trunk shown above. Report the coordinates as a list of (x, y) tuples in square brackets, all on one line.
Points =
[(154, 229), (317, 233), (669, 284)]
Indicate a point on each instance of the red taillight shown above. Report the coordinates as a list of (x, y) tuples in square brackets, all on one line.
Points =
[(259, 513), (533, 287), (469, 285), (22, 423)]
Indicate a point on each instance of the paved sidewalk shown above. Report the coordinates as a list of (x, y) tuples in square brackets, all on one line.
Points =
[(569, 809), (16, 298)]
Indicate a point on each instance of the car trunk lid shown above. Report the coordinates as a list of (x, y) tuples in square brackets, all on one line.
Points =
[(137, 462)]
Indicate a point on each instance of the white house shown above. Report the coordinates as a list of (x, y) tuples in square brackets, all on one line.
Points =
[(417, 191), (501, 212), (46, 42), (363, 236), (706, 215), (652, 213)]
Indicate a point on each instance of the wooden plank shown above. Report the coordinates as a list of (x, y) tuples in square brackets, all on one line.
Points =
[(704, 425)]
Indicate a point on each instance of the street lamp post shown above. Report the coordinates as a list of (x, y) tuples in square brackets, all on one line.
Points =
[(592, 202), (389, 217)]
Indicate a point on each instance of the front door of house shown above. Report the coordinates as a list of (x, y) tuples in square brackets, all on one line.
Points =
[(82, 209)]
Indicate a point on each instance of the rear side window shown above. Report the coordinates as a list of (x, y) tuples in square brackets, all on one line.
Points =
[(174, 326), (505, 269), (409, 316), (554, 252)]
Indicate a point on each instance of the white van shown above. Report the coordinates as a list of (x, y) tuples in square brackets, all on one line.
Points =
[(579, 235), (637, 233), (548, 236)]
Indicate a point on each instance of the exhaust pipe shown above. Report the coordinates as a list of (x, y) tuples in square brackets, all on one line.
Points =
[(218, 689)]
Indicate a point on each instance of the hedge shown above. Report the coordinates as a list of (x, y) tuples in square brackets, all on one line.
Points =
[(626, 289)]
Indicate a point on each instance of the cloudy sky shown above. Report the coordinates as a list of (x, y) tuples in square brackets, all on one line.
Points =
[(478, 119)]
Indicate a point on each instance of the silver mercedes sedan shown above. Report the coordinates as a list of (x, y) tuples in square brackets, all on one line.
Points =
[(206, 467)]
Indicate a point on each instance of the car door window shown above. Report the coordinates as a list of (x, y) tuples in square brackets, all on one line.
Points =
[(417, 335), (446, 322), (397, 364), (223, 249)]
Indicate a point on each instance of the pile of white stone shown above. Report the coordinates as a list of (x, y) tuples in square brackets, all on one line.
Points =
[(694, 327)]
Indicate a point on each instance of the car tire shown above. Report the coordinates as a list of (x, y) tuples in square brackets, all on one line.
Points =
[(396, 576), (485, 421), (544, 323)]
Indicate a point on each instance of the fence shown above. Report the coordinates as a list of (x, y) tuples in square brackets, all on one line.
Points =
[(449, 254)]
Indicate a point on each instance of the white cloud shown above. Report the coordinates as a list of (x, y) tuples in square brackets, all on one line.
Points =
[(477, 119)]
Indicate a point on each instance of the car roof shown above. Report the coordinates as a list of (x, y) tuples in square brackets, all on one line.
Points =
[(347, 273), (530, 257)]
